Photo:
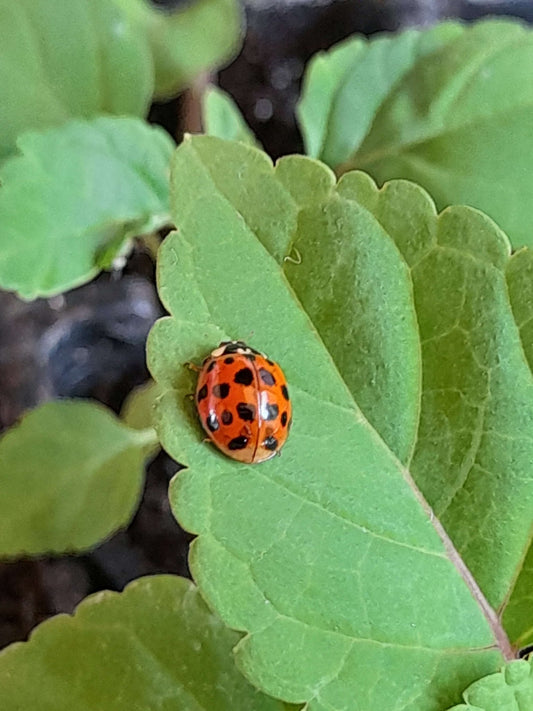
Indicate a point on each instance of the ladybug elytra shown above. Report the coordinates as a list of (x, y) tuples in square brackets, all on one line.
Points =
[(243, 402)]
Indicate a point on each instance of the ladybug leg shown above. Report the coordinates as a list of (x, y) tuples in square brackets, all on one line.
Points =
[(189, 396), (192, 366)]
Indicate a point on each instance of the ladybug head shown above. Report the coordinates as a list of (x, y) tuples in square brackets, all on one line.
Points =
[(231, 347)]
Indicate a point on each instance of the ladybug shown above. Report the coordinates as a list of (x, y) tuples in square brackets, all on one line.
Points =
[(243, 402)]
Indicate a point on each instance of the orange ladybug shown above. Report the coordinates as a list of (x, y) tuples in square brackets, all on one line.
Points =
[(243, 402)]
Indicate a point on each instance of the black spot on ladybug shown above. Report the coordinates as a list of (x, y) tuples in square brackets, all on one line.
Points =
[(269, 411), (270, 443), (229, 360), (226, 417), (284, 419), (244, 376), (211, 366), (221, 390), (246, 411), (238, 443), (212, 422), (285, 392), (267, 377), (202, 393), (250, 356)]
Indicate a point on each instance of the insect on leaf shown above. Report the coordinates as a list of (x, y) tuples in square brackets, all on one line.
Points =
[(348, 587)]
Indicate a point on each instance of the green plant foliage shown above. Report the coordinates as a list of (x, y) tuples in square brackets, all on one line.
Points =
[(57, 64), (70, 475), (474, 452), (517, 615), (153, 646), (328, 557), (137, 411), (75, 196), (194, 38), (222, 118), (511, 689), (449, 108)]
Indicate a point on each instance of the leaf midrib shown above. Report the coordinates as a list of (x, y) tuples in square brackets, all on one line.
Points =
[(453, 555)]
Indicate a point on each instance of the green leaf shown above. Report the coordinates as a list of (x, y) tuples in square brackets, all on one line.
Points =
[(517, 616), (449, 108), (57, 63), (222, 118), (155, 645), (195, 38), (474, 451), (74, 197), (137, 411), (511, 689), (70, 475), (328, 557)]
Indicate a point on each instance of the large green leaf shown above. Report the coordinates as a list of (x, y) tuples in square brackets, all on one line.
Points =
[(193, 38), (328, 557), (511, 689), (449, 108), (70, 474), (63, 60), (473, 458), (72, 199), (517, 608), (153, 646)]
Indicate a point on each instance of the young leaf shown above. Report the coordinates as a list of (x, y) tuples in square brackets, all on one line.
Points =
[(57, 63), (137, 411), (328, 557), (155, 645), (70, 474), (448, 108), (222, 118), (191, 39), (511, 689), (72, 199)]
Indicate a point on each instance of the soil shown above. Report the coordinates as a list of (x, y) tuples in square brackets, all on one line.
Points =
[(90, 342)]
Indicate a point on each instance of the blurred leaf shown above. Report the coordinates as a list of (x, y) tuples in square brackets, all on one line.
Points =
[(511, 689), (61, 60), (449, 108), (137, 411), (70, 475), (153, 646), (73, 198), (222, 118), (328, 557), (196, 37)]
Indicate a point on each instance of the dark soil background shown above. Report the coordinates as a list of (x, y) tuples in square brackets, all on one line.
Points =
[(90, 342)]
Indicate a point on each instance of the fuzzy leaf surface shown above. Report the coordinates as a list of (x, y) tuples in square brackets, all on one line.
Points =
[(70, 475), (517, 610), (473, 457), (155, 645), (449, 108), (327, 556), (60, 61), (73, 198), (511, 689)]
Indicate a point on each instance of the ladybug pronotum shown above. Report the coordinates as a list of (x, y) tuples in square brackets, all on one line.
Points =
[(243, 402)]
